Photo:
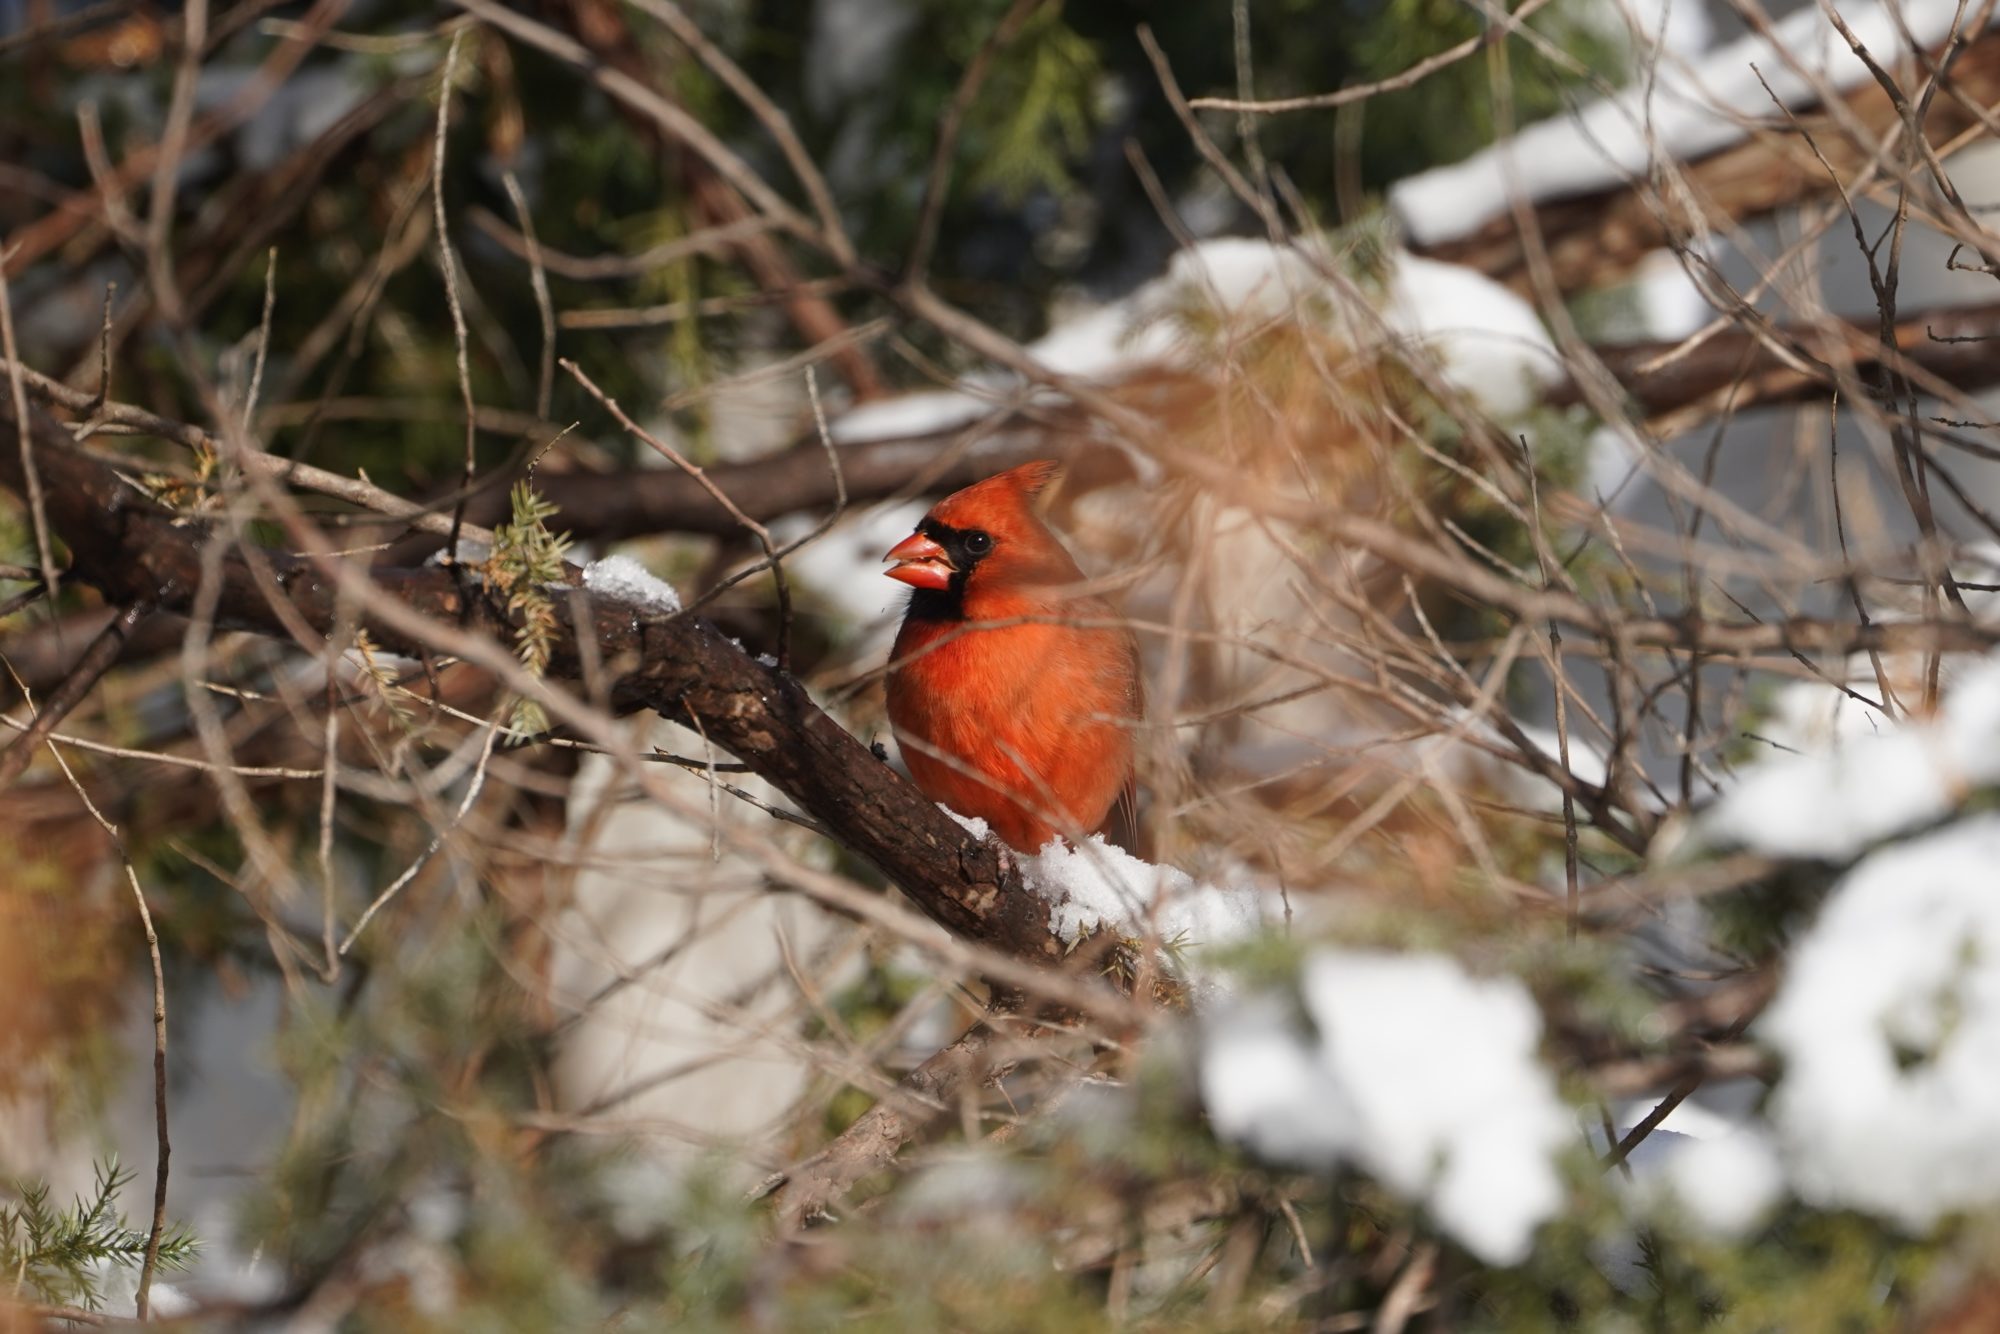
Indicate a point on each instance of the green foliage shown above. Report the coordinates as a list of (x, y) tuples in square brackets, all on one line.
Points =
[(1452, 114), (58, 1256), (1757, 920), (1035, 117)]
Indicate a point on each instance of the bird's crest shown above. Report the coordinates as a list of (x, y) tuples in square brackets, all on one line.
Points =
[(1031, 479), (1004, 494)]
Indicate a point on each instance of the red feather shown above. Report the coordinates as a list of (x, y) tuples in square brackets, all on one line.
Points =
[(1001, 712)]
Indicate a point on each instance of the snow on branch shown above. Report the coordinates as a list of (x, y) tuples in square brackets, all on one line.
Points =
[(1413, 1069)]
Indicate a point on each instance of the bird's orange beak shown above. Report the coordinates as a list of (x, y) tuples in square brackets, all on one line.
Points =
[(920, 563)]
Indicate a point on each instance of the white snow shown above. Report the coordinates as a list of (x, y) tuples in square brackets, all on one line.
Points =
[(623, 579), (1103, 344), (1269, 1089), (1722, 1184), (844, 566), (971, 824), (166, 1301), (1671, 306), (1691, 108), (1096, 885), (678, 968), (923, 413), (1249, 282), (118, 1286), (1888, 1024), (1238, 275), (1814, 716), (1421, 1074), (1487, 341), (1725, 1186), (1834, 804), (1508, 778)]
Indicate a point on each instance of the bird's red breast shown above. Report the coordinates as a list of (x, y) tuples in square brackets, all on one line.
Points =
[(1012, 696)]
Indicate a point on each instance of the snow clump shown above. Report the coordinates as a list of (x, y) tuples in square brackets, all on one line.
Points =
[(971, 824), (1488, 342), (1684, 110), (1888, 1024), (1725, 1185), (1096, 885), (1832, 805), (1423, 1075), (622, 579)]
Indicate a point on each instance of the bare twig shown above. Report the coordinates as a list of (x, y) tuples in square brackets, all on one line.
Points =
[(545, 383), (809, 1191), (396, 886), (30, 475), (686, 465), (162, 1141), (832, 234), (1409, 78), (449, 263), (937, 181), (97, 659)]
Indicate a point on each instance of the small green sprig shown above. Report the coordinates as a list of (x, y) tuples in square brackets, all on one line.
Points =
[(58, 1255), (526, 558)]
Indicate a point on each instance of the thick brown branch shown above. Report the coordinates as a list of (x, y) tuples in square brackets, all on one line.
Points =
[(1946, 349), (1952, 348), (131, 550), (1598, 238), (611, 506)]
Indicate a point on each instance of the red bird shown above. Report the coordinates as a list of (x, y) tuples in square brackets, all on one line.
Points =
[(1002, 713)]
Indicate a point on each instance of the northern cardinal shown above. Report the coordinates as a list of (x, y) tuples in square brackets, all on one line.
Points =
[(1002, 711)]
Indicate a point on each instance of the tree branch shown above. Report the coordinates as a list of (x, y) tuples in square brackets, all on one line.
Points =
[(1597, 238), (809, 1190), (132, 551), (99, 658)]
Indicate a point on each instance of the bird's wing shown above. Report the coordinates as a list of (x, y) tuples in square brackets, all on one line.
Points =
[(1122, 828)]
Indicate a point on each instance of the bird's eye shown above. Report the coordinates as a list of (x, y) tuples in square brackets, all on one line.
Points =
[(978, 543)]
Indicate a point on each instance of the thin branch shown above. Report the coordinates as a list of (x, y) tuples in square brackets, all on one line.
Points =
[(676, 122), (97, 659), (162, 1141), (937, 180), (721, 497), (396, 886), (832, 234), (1409, 78), (808, 1192), (31, 476), (538, 278), (449, 263), (619, 268)]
